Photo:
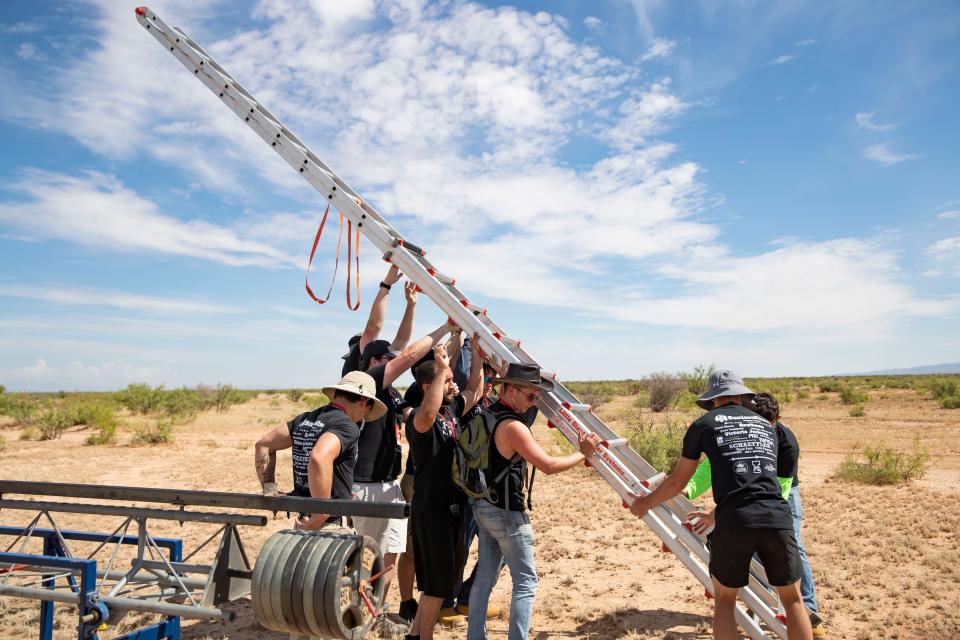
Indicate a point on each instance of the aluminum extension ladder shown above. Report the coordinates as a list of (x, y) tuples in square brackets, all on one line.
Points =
[(615, 461)]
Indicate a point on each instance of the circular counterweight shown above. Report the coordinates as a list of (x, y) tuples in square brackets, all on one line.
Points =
[(314, 583)]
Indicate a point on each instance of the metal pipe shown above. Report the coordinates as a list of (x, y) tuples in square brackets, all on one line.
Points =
[(34, 593), (160, 514), (181, 497)]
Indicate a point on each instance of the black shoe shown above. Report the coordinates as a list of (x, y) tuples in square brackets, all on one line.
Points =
[(408, 609)]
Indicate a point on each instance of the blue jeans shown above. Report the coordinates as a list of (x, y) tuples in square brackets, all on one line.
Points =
[(504, 535), (806, 576)]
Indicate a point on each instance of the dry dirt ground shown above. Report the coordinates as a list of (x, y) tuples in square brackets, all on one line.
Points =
[(885, 559)]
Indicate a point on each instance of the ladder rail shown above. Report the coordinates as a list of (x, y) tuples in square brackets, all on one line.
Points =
[(620, 469)]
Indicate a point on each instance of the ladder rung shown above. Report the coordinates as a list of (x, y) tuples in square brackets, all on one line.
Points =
[(474, 308), (577, 406), (442, 278), (614, 442), (653, 481), (412, 248)]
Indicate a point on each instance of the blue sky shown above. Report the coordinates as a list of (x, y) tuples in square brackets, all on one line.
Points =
[(629, 187)]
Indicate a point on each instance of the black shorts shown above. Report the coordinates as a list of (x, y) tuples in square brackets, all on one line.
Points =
[(438, 551), (731, 550)]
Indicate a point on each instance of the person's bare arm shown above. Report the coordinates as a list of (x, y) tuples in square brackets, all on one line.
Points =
[(514, 437), (378, 310), (409, 356), (405, 330), (671, 486), (320, 475), (454, 345), (474, 390), (433, 396), (265, 456)]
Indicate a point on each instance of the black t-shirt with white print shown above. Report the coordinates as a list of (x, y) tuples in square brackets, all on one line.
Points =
[(789, 459), (379, 445), (305, 430), (743, 448), (432, 454)]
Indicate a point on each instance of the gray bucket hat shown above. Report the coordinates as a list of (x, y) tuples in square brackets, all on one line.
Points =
[(722, 383), (361, 384)]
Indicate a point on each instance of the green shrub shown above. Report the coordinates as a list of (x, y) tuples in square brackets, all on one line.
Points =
[(950, 402), (803, 394), (295, 395), (20, 407), (29, 433), (3, 389), (664, 387), (849, 395), (225, 396), (106, 434), (830, 386), (686, 400), (857, 411), (52, 424), (883, 465), (159, 433), (141, 398), (943, 388), (3, 442), (181, 405), (657, 444), (698, 379)]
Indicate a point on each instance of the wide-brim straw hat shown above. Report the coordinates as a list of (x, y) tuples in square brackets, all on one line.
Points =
[(524, 375), (361, 384), (723, 383)]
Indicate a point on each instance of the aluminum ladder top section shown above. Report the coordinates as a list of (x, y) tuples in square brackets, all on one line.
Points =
[(615, 461)]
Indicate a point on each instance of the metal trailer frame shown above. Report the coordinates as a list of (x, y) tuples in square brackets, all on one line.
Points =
[(160, 579)]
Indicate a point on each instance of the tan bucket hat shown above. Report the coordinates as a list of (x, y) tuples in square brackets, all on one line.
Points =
[(361, 384)]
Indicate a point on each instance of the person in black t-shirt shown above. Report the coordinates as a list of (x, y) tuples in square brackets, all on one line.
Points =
[(751, 515), (436, 516), (324, 443)]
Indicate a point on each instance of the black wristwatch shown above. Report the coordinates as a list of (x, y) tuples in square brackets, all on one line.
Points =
[(384, 285)]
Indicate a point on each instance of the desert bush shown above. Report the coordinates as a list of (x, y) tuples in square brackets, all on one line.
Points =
[(858, 411), (181, 405), (950, 402), (663, 389), (159, 433), (657, 444), (849, 395), (20, 407), (106, 434), (943, 388), (686, 400), (698, 379), (29, 433), (802, 394), (3, 442), (830, 386), (882, 465), (141, 398), (225, 396), (3, 389), (52, 423), (295, 395)]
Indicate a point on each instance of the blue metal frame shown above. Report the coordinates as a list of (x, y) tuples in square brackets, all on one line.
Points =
[(54, 555)]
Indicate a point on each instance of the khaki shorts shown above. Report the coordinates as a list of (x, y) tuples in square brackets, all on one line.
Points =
[(390, 533)]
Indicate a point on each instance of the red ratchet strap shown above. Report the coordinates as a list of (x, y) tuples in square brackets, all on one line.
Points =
[(336, 264)]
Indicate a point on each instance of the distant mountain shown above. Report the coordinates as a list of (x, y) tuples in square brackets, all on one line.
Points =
[(950, 367)]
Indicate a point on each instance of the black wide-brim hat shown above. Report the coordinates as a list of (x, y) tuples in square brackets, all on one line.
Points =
[(524, 375)]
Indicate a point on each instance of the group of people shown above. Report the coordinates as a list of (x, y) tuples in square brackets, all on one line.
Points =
[(351, 449)]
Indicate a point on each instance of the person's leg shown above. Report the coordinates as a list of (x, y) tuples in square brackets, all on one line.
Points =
[(427, 613), (807, 589), (487, 570), (517, 549), (470, 532), (798, 622), (405, 566), (724, 605)]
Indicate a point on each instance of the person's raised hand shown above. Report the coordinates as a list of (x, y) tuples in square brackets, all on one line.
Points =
[(589, 444), (393, 275), (441, 356), (410, 293)]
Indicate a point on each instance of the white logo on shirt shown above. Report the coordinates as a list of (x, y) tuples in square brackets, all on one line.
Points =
[(720, 418), (770, 468), (719, 440), (756, 466), (740, 467)]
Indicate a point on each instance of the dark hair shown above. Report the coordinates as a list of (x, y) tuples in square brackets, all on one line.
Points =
[(488, 368), (351, 397), (767, 406), (426, 372)]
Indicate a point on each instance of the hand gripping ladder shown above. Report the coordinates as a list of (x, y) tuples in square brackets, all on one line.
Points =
[(615, 461)]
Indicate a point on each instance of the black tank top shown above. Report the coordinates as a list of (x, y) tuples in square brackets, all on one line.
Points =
[(507, 477)]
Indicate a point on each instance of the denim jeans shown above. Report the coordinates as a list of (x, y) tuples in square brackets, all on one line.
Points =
[(504, 535), (806, 576)]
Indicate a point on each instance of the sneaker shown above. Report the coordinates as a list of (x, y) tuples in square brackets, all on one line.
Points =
[(408, 609), (493, 611), (819, 631), (387, 629), (450, 618)]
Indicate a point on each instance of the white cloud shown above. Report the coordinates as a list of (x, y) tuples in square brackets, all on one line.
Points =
[(864, 120), (28, 51), (644, 115), (85, 296), (784, 59), (659, 48), (947, 215), (593, 23), (881, 153), (806, 42), (946, 246), (71, 374), (20, 28), (98, 210)]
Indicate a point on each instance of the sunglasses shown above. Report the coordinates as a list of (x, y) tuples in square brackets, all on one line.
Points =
[(487, 379), (531, 397)]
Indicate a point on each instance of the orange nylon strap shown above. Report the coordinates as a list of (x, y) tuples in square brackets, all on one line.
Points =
[(336, 264), (357, 244)]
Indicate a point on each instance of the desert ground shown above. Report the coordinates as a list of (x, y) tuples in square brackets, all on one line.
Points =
[(885, 559)]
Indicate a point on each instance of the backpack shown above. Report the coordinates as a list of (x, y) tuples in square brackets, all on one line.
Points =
[(471, 460)]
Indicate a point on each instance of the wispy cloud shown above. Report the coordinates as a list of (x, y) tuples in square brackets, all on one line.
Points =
[(593, 23), (20, 28), (96, 209), (806, 42), (89, 297), (659, 48), (946, 246), (28, 51), (947, 215), (881, 153), (864, 120), (784, 59)]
